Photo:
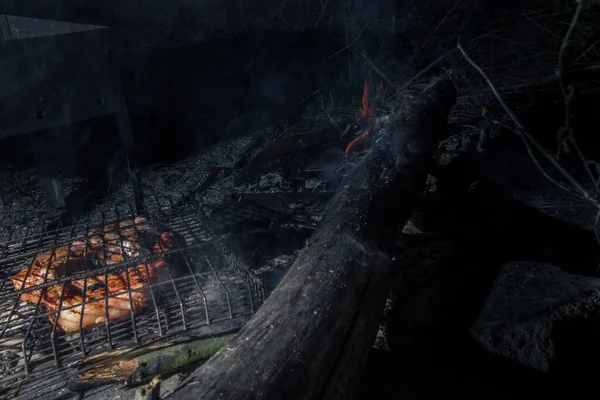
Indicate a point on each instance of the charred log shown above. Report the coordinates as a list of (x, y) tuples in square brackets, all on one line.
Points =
[(297, 346)]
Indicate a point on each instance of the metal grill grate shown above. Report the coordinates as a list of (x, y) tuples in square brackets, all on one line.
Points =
[(207, 287)]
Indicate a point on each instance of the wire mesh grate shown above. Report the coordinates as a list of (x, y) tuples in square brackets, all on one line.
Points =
[(165, 290)]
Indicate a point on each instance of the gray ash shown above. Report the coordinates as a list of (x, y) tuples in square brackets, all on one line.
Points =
[(10, 360)]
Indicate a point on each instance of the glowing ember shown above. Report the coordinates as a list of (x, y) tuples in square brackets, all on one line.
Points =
[(367, 112)]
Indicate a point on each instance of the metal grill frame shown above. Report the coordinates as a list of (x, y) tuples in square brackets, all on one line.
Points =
[(188, 221)]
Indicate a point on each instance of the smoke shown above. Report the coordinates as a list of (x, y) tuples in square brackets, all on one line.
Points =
[(368, 253)]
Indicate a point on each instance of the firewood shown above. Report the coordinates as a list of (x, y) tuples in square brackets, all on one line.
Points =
[(292, 348)]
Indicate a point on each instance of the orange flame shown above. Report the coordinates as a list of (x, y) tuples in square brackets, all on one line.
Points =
[(367, 112), (361, 138)]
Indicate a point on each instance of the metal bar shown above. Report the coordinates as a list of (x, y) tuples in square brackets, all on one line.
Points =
[(21, 249), (172, 280), (162, 253), (106, 324), (154, 285), (18, 298), (188, 264), (249, 281), (222, 284), (83, 295), (20, 384), (125, 133), (24, 242), (249, 285), (13, 377), (8, 272), (160, 331), (62, 293), (181, 308), (23, 349), (131, 308), (15, 305), (98, 271), (40, 235), (129, 285)]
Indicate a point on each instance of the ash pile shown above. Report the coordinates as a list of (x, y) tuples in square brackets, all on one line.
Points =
[(259, 189)]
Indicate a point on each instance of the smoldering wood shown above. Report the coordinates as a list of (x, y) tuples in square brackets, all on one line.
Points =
[(348, 371), (150, 391), (293, 346)]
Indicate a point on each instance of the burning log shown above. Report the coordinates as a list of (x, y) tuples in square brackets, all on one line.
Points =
[(304, 340)]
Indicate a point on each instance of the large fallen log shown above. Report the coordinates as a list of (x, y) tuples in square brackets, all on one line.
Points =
[(301, 342)]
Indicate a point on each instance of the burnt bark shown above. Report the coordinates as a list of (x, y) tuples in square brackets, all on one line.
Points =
[(297, 346)]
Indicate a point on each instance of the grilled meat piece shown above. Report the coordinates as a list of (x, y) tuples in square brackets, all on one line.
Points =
[(115, 243), (106, 245), (105, 297), (48, 267), (113, 295), (165, 242)]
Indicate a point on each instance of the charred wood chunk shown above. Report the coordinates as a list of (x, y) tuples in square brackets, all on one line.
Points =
[(299, 340)]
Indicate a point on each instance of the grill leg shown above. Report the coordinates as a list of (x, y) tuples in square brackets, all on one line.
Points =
[(43, 148), (136, 183), (126, 135)]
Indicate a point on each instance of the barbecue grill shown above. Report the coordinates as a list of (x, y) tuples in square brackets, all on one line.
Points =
[(55, 75), (203, 289), (214, 292)]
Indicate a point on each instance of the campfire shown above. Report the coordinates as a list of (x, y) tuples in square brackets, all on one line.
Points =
[(367, 114), (297, 211)]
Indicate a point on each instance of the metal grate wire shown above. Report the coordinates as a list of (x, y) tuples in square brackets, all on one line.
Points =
[(208, 287)]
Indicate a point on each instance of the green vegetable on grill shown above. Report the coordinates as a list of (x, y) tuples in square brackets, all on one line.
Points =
[(141, 364)]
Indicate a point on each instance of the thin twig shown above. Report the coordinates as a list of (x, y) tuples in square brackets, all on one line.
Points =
[(537, 163), (434, 31), (566, 130), (282, 6), (537, 24), (378, 71), (491, 86), (308, 97), (586, 164), (592, 46), (322, 12), (528, 136), (276, 14), (427, 68), (347, 46), (567, 96)]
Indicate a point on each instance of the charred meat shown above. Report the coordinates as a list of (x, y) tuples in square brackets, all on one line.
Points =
[(89, 302), (92, 300)]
